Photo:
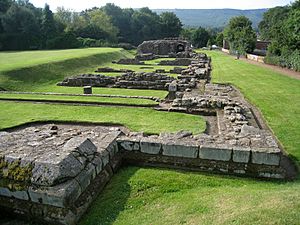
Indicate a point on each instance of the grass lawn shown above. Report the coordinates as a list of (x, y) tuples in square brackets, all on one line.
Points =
[(24, 59), (83, 99), (136, 119), (159, 196), (276, 95), (108, 91), (138, 196), (42, 70)]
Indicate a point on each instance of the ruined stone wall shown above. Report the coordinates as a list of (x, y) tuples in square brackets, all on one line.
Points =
[(164, 47)]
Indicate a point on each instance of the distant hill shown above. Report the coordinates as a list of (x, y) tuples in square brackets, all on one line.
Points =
[(213, 18)]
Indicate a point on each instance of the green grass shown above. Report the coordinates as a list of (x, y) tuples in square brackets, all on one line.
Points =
[(138, 196), (18, 60), (83, 99), (42, 70), (136, 119), (159, 196), (276, 95), (108, 91)]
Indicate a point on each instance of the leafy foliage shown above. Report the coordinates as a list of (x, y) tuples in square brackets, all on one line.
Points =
[(23, 26), (240, 35), (281, 26)]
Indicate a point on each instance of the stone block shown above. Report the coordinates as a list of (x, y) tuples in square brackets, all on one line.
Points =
[(23, 195), (86, 176), (97, 162), (61, 196), (104, 155), (219, 153), (129, 144), (150, 146), (5, 192), (178, 149), (266, 156), (241, 155)]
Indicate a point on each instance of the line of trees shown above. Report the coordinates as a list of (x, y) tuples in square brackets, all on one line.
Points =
[(281, 26), (23, 26)]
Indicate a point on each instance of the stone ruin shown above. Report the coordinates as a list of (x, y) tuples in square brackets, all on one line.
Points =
[(165, 47), (52, 172)]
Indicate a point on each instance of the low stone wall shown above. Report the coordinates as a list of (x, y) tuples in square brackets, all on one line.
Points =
[(134, 61), (129, 80), (54, 172), (95, 80), (189, 154), (176, 62)]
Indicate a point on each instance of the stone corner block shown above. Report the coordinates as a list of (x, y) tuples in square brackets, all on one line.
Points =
[(266, 156)]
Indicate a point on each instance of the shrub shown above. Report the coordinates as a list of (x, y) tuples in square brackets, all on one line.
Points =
[(64, 41)]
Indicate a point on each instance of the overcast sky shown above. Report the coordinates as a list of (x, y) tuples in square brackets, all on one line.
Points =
[(79, 5)]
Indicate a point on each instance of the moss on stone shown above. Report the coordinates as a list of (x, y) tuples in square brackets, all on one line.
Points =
[(15, 171)]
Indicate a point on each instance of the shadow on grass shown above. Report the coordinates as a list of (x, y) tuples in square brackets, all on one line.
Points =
[(112, 201)]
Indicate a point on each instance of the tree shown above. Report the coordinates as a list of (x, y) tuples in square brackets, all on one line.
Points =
[(171, 24), (219, 39), (120, 18), (21, 28), (48, 25), (145, 25), (200, 37), (240, 35)]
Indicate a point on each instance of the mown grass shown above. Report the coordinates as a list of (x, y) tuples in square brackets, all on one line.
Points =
[(136, 119), (159, 196), (25, 59), (138, 196), (81, 99), (42, 70), (276, 95), (108, 91)]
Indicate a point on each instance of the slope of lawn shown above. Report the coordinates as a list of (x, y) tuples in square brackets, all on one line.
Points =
[(167, 197), (276, 95), (82, 99), (136, 119), (23, 59), (42, 70)]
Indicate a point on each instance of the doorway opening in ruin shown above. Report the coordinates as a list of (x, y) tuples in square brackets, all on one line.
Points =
[(180, 48)]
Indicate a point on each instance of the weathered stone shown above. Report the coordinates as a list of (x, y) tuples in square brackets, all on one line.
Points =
[(62, 195), (23, 195), (150, 145), (177, 149), (241, 155), (164, 47), (219, 153), (86, 176), (266, 156)]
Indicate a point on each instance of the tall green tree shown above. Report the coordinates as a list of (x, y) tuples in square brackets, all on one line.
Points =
[(48, 25), (21, 28), (240, 35), (200, 37), (171, 25)]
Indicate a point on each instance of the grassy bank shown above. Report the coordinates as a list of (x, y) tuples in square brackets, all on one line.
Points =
[(136, 119)]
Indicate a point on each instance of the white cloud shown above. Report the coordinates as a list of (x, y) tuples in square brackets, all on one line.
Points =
[(79, 5)]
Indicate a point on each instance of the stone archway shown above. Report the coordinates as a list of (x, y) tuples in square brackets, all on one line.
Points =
[(180, 48)]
